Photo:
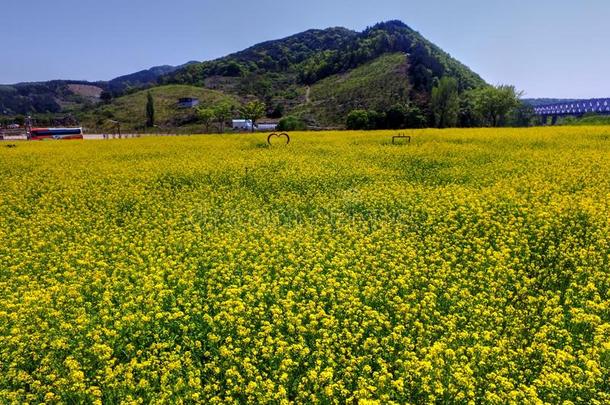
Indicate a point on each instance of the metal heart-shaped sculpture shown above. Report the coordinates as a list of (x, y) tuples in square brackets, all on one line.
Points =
[(282, 135)]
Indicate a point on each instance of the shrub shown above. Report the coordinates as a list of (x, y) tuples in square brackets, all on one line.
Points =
[(358, 119), (291, 123)]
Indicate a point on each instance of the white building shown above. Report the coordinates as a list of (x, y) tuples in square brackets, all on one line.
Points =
[(246, 125), (188, 102), (266, 127), (242, 125)]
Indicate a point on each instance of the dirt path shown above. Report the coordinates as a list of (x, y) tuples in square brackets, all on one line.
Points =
[(307, 99)]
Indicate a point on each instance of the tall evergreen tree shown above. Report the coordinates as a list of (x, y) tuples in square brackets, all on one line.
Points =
[(150, 111)]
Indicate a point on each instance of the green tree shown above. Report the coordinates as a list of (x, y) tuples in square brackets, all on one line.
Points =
[(222, 113), (150, 110), (445, 103), (253, 111), (357, 120), (494, 103), (414, 117), (469, 117), (395, 117), (521, 116), (291, 123), (206, 117), (377, 120)]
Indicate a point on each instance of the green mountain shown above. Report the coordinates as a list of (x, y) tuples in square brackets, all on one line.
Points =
[(318, 75), (323, 74), (61, 96), (539, 102), (47, 97), (142, 78)]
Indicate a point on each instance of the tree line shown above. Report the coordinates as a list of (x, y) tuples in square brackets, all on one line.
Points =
[(487, 106)]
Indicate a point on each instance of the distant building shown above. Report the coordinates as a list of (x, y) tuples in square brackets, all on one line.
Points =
[(246, 125), (188, 102), (264, 126), (242, 125)]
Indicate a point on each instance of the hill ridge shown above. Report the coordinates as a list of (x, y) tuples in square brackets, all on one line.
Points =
[(279, 71)]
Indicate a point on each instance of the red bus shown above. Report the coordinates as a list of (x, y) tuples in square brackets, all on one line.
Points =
[(38, 134)]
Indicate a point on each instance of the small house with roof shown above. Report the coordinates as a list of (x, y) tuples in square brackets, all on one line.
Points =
[(188, 102)]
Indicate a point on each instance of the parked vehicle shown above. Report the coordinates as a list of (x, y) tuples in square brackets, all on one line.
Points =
[(38, 134)]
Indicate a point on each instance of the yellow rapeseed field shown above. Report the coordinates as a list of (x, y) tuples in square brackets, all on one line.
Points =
[(471, 266)]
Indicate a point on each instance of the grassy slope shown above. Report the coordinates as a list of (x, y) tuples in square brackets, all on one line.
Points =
[(376, 85), (130, 109)]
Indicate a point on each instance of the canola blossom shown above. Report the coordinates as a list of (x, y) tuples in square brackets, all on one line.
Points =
[(470, 266)]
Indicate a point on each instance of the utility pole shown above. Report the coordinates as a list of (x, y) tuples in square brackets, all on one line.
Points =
[(28, 126)]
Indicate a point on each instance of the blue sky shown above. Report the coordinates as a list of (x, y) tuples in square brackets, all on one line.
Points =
[(546, 48)]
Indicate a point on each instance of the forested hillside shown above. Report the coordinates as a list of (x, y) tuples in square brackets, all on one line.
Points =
[(317, 76), (280, 72)]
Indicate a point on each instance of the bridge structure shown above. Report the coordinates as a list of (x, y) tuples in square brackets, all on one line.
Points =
[(576, 108)]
